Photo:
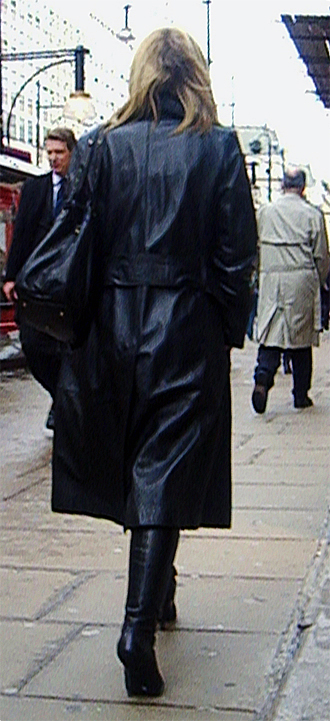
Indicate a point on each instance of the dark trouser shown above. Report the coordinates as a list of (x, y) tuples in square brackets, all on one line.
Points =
[(43, 355), (269, 359), (253, 313), (287, 361)]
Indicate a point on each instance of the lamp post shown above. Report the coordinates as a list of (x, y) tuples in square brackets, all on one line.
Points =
[(208, 3), (76, 55), (38, 108), (126, 34)]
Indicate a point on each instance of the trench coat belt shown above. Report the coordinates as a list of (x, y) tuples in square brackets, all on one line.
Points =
[(287, 268), (153, 270)]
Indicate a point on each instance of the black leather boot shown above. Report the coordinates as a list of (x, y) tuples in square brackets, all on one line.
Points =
[(168, 613), (152, 553)]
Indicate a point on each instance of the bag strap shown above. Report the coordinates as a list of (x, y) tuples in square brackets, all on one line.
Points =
[(87, 171)]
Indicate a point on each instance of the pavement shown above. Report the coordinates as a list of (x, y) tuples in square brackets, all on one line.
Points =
[(252, 642), (11, 354)]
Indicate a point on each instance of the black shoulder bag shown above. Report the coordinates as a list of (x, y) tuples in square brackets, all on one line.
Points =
[(57, 286)]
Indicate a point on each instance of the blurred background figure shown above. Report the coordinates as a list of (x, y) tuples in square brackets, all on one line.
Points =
[(293, 266), (41, 201)]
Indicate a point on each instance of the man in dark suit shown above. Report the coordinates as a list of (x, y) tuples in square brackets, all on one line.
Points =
[(41, 200)]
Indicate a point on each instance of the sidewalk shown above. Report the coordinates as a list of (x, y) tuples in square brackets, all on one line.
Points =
[(253, 602)]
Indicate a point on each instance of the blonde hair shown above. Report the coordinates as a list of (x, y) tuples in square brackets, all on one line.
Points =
[(169, 60)]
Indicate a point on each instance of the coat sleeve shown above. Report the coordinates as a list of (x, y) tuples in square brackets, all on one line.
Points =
[(236, 242), (25, 228)]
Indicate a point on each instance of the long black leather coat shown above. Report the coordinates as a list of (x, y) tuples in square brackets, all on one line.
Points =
[(143, 418)]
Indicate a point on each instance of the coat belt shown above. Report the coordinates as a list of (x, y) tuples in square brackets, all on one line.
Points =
[(151, 270)]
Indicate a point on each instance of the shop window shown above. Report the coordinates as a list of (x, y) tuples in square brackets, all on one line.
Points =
[(13, 126), (22, 130), (30, 132)]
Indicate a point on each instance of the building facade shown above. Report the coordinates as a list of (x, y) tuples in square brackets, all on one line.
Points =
[(34, 26)]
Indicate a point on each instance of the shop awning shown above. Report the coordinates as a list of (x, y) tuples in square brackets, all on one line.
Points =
[(311, 36)]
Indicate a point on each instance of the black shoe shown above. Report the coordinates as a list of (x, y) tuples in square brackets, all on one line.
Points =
[(305, 403), (136, 652), (259, 398)]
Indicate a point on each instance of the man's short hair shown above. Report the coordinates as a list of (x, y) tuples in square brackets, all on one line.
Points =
[(65, 135), (294, 179)]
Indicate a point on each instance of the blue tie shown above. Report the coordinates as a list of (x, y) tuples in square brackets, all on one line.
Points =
[(60, 197)]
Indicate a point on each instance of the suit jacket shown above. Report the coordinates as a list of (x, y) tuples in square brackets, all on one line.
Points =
[(34, 219)]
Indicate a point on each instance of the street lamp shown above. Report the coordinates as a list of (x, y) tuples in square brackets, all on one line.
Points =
[(79, 106), (65, 55), (126, 34), (208, 3), (38, 108)]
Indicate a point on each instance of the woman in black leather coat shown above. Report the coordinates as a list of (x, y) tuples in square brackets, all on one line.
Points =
[(143, 415)]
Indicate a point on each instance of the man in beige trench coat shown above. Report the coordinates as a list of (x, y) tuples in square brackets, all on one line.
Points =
[(293, 265)]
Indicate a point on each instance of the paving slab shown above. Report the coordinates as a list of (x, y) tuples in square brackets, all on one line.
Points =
[(26, 441), (305, 498), (99, 600), (289, 475), (25, 647), (272, 428), (26, 709), (245, 557), (26, 593), (203, 603), (226, 669), (72, 551), (306, 693), (279, 523), (284, 457), (235, 605), (31, 509)]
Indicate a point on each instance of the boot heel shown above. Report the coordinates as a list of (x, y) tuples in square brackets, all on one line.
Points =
[(135, 651), (137, 685)]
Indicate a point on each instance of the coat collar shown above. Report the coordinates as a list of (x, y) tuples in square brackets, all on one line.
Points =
[(169, 106)]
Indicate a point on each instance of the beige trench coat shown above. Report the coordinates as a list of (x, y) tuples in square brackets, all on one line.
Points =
[(293, 264)]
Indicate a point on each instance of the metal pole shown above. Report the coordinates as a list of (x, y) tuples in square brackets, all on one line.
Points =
[(41, 70), (126, 8), (79, 71), (78, 55), (207, 3), (38, 123), (269, 167), (232, 102)]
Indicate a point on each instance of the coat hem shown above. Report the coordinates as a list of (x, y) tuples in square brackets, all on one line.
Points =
[(126, 527)]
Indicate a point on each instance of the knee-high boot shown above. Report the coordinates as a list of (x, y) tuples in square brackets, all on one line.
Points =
[(152, 553), (168, 613)]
